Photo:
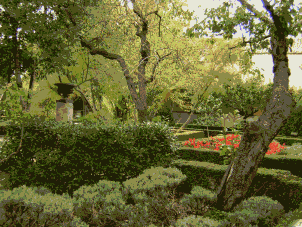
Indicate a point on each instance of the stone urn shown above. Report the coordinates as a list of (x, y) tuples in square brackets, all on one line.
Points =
[(64, 111), (65, 89)]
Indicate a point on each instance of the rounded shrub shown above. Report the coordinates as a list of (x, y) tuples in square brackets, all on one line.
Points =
[(150, 194), (260, 210), (198, 200), (41, 190), (192, 221), (155, 180)]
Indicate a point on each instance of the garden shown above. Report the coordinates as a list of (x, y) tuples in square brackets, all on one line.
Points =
[(158, 189), (122, 163)]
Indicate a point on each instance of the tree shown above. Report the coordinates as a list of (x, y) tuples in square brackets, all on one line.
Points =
[(246, 97), (199, 63), (101, 42), (18, 23), (277, 22), (143, 19)]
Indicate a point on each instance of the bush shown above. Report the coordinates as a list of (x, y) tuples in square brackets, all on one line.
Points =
[(23, 207), (167, 116), (192, 221), (139, 202), (41, 190), (102, 204), (208, 120), (198, 200), (293, 124), (151, 198), (260, 210), (153, 181), (137, 148)]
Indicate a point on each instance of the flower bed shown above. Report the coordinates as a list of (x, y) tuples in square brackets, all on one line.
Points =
[(229, 148), (213, 144)]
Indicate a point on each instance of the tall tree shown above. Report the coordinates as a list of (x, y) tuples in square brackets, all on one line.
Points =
[(198, 67), (163, 53), (41, 47), (143, 15), (18, 21), (277, 22)]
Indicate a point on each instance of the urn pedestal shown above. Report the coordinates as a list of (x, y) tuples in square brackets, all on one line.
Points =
[(64, 111)]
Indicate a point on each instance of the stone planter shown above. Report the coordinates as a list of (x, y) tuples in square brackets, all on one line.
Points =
[(65, 89), (64, 111)]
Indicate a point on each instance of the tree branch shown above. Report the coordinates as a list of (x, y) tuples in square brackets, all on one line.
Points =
[(106, 54), (250, 42), (269, 8), (156, 64), (193, 108), (281, 28), (256, 12), (295, 26)]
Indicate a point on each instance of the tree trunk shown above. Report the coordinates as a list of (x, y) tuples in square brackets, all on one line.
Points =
[(32, 72), (10, 72), (93, 98), (258, 134), (142, 30), (142, 115), (17, 66)]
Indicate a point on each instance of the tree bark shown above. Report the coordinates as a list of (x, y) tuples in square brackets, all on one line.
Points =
[(17, 63), (93, 98), (32, 73), (258, 134)]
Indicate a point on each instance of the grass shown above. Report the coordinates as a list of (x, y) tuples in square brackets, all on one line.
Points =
[(295, 149)]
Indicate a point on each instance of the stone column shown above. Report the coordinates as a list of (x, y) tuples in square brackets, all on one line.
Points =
[(64, 110)]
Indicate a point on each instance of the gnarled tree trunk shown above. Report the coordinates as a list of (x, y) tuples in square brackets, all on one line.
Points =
[(258, 134)]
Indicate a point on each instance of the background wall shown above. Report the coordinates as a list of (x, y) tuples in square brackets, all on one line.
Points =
[(265, 62)]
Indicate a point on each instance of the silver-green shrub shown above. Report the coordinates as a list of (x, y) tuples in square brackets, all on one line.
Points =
[(197, 221), (260, 210), (198, 199)]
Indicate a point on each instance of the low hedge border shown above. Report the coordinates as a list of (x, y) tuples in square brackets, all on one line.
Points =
[(266, 181)]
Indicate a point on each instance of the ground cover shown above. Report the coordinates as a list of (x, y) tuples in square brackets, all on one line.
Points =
[(210, 212)]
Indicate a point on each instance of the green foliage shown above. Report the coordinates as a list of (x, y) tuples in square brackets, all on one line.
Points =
[(100, 117), (12, 104), (154, 179), (216, 214), (242, 97), (38, 146), (289, 218), (194, 220), (151, 194), (141, 201), (221, 22), (41, 190), (198, 200), (293, 123), (20, 206), (260, 210), (142, 146), (106, 198)]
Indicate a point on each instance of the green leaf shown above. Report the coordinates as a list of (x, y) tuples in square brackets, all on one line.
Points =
[(226, 162)]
